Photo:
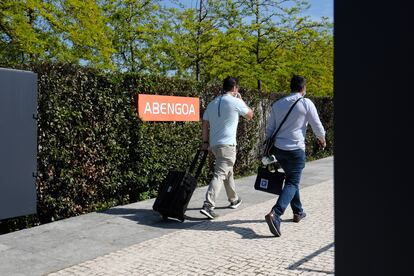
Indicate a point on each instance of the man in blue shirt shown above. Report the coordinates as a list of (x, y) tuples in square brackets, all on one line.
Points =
[(289, 148), (219, 129)]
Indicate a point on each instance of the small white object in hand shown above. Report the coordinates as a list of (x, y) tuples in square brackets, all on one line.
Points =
[(266, 160)]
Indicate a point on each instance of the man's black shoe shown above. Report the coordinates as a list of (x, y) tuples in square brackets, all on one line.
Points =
[(208, 212), (235, 204), (273, 222), (298, 217)]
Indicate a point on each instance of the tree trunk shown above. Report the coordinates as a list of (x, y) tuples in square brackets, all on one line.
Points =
[(200, 18)]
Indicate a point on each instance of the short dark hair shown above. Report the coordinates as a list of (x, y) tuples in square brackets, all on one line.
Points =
[(297, 83), (229, 83)]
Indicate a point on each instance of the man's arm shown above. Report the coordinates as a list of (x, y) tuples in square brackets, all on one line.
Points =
[(316, 125), (249, 114), (205, 133)]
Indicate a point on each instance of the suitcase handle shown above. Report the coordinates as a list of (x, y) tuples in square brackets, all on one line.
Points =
[(200, 166)]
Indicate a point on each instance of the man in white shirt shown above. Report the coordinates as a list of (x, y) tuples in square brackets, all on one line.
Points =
[(289, 148), (219, 129)]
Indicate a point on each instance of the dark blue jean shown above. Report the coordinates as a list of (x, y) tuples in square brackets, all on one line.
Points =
[(292, 162)]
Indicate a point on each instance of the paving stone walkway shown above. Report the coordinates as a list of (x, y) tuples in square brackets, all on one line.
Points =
[(238, 243)]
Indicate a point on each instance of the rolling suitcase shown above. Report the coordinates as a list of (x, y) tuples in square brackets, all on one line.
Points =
[(176, 190)]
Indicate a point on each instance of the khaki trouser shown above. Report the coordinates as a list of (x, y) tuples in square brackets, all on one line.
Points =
[(223, 174)]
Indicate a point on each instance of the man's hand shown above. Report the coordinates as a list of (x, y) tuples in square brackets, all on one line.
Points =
[(322, 143), (249, 114)]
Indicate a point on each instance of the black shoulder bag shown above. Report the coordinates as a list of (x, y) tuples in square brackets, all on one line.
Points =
[(269, 179)]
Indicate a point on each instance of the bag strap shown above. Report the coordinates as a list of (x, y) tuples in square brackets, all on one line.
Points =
[(201, 164), (284, 119), (219, 114)]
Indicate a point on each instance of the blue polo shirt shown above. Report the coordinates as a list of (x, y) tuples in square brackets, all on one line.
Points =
[(223, 113)]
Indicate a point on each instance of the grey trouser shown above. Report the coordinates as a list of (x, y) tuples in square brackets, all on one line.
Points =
[(223, 174)]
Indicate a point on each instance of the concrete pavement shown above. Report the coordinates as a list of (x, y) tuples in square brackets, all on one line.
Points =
[(133, 240)]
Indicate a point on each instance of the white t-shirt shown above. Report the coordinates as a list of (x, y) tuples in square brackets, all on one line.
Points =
[(223, 113)]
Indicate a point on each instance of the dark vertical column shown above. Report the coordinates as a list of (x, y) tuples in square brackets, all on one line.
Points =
[(374, 119)]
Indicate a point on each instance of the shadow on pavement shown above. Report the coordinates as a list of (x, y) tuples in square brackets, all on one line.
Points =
[(148, 217), (286, 220), (235, 226), (151, 218), (296, 266), (216, 208)]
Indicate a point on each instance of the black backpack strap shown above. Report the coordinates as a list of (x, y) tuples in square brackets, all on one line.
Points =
[(221, 97)]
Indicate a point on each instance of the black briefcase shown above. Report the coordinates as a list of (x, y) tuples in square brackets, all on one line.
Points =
[(269, 179), (176, 190)]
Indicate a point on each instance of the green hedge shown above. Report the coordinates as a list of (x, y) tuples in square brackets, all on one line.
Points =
[(95, 153)]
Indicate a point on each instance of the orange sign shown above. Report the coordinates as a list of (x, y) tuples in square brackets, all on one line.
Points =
[(168, 108)]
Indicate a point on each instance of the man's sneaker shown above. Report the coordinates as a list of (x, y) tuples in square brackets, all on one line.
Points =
[(208, 212), (298, 217), (235, 204), (273, 222)]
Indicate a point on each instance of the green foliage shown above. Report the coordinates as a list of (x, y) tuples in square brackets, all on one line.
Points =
[(68, 31), (139, 35), (260, 40), (264, 40), (93, 149)]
